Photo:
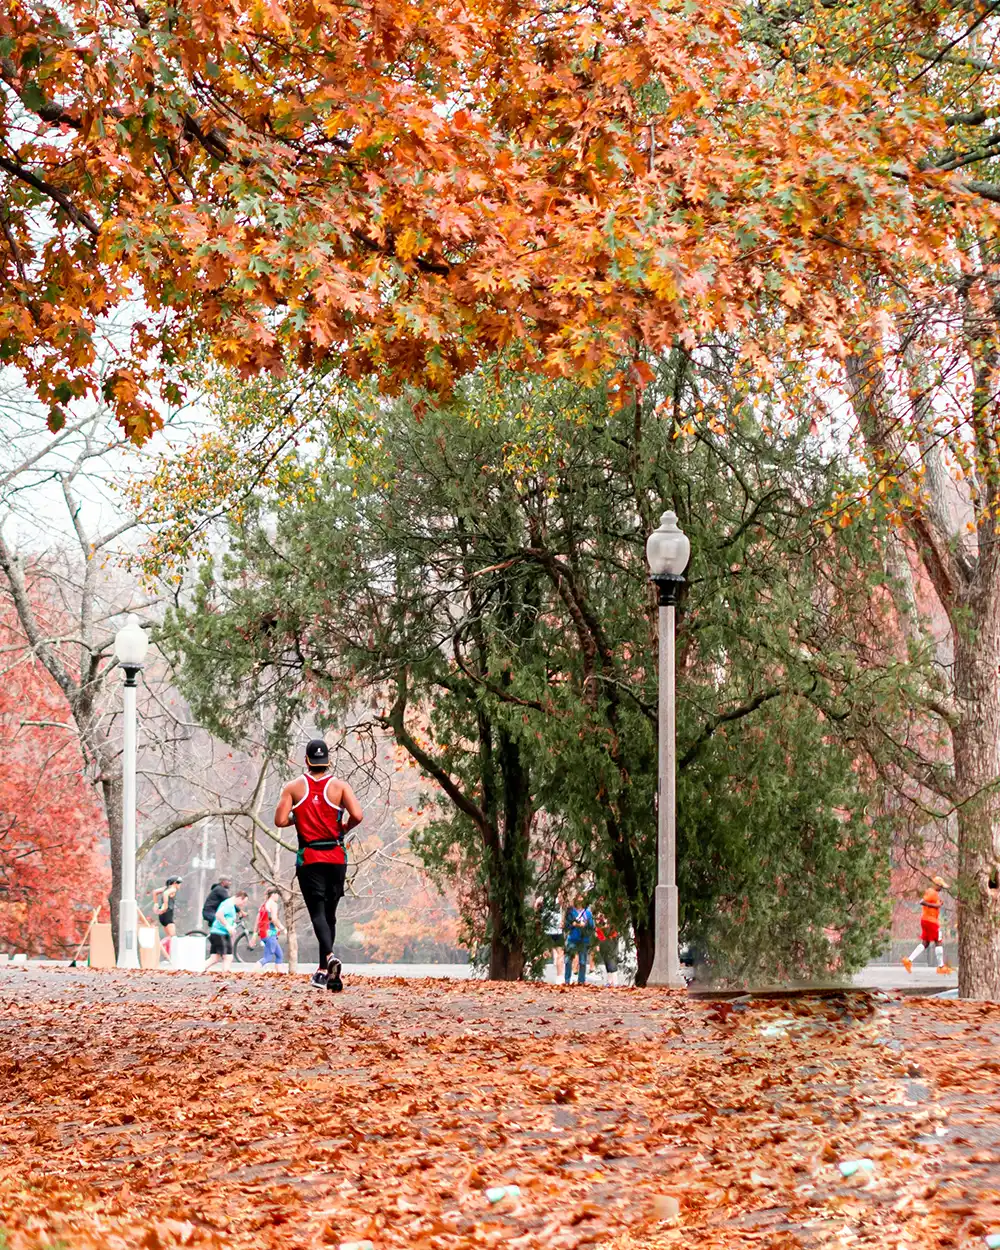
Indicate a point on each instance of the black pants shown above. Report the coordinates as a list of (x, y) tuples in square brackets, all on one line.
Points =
[(322, 887)]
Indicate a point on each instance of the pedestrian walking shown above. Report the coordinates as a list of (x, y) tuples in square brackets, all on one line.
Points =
[(216, 895), (578, 930), (607, 952), (223, 930), (930, 928), (270, 928), (163, 904), (323, 810)]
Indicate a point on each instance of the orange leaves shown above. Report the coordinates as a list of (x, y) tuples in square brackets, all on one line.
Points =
[(296, 177), (294, 1121)]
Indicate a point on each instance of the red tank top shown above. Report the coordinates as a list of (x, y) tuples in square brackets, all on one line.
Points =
[(319, 820)]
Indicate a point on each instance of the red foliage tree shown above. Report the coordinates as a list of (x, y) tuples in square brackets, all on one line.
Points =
[(53, 871)]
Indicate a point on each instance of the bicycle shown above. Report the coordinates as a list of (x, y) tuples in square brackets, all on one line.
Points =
[(245, 943)]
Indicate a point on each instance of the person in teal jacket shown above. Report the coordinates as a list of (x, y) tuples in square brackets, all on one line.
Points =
[(578, 929)]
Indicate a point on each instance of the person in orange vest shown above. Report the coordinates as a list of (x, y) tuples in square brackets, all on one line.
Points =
[(930, 927)]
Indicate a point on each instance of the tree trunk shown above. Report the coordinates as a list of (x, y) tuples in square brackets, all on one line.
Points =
[(506, 949), (645, 941), (976, 745), (509, 866), (111, 792), (290, 922), (637, 892)]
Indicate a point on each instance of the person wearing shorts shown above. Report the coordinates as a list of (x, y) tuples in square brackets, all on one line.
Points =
[(930, 928), (223, 930), (323, 810), (163, 904)]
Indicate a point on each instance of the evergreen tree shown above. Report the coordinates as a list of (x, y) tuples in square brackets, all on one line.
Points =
[(478, 573)]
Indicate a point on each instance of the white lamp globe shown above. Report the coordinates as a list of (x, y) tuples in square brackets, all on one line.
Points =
[(668, 548), (131, 643)]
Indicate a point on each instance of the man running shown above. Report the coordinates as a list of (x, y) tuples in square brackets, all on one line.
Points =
[(223, 930), (930, 928), (323, 810)]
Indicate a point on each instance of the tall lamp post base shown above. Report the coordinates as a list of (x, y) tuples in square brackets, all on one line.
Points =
[(128, 921), (666, 969)]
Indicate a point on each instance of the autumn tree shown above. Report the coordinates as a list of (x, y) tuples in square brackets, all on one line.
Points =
[(920, 381), (404, 190), (63, 583), (53, 872)]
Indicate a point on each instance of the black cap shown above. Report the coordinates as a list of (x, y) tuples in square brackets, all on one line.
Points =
[(317, 752), (174, 880)]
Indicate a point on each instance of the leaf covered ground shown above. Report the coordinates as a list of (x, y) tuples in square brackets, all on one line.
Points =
[(157, 1110)]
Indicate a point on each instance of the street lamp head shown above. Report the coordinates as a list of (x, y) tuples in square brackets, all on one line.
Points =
[(668, 548), (131, 644)]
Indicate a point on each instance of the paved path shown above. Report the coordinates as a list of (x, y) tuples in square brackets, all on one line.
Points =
[(875, 976), (159, 1110)]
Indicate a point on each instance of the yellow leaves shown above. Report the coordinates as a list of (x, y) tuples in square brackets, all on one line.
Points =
[(408, 243), (664, 285)]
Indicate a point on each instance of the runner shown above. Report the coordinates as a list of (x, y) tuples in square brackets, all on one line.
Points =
[(164, 906), (930, 928), (323, 810), (217, 894), (269, 927), (223, 930)]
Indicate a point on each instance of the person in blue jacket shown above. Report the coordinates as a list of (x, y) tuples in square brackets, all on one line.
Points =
[(578, 929)]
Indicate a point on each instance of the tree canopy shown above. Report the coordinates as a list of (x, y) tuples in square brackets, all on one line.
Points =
[(405, 188)]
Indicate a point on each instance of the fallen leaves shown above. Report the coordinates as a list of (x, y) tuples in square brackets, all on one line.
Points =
[(385, 1118)]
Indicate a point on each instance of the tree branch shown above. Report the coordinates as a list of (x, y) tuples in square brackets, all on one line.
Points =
[(396, 722), (726, 718), (78, 215)]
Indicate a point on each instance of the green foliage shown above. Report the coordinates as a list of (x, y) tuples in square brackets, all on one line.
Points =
[(473, 580), (778, 849)]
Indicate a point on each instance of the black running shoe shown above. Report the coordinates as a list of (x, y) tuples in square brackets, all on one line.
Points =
[(333, 981), (318, 980)]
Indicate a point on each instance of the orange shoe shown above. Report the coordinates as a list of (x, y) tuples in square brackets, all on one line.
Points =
[(945, 970), (907, 964)]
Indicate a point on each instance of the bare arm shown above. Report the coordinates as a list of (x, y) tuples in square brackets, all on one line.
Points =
[(283, 812), (354, 813)]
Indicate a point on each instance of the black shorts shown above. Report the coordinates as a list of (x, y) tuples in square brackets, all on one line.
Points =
[(167, 917), (321, 883), (220, 944)]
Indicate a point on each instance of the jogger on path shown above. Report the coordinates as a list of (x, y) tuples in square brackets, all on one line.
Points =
[(930, 927), (323, 810)]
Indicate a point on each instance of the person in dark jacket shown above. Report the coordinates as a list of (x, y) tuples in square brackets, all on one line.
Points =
[(216, 896)]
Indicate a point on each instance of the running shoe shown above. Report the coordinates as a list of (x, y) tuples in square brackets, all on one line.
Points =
[(318, 980), (333, 981), (945, 970), (907, 964)]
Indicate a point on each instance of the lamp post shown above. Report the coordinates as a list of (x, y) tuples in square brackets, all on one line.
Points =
[(667, 553), (131, 645)]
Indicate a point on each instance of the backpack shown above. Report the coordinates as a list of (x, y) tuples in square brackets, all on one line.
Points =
[(263, 921)]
